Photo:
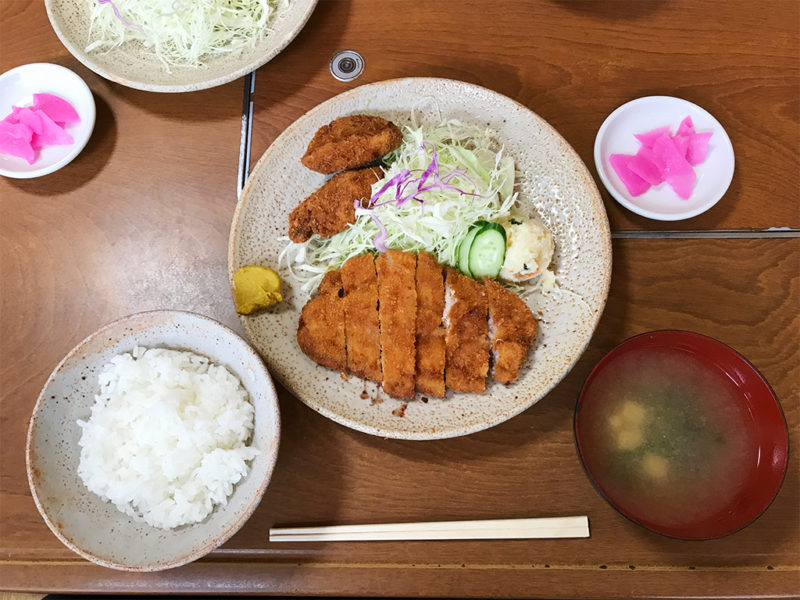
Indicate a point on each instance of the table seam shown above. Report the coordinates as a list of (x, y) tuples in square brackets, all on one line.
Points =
[(438, 566)]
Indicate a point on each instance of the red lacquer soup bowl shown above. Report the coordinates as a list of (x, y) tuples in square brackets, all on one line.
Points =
[(682, 435)]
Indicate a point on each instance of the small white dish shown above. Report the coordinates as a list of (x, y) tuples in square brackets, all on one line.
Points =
[(616, 136), (17, 88)]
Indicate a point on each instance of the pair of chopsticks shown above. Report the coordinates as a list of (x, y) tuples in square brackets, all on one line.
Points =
[(505, 529)]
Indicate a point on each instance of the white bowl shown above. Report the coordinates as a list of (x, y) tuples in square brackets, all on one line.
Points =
[(616, 136), (97, 530), (17, 88)]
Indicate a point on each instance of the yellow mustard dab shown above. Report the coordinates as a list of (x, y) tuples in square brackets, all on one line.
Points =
[(255, 287)]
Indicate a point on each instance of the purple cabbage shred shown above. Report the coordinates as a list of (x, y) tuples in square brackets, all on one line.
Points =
[(118, 14), (408, 185)]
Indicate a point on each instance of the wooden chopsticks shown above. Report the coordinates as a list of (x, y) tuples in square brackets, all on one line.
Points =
[(551, 527)]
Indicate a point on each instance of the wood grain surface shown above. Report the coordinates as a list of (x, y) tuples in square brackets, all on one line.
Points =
[(140, 220), (528, 466), (574, 62)]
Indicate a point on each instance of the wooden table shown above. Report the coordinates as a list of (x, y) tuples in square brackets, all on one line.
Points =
[(140, 221)]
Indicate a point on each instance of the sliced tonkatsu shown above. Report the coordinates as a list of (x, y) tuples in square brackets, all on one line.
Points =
[(331, 209), (362, 331), (350, 142), (397, 296), (512, 329), (320, 332), (416, 326), (467, 345), (430, 333)]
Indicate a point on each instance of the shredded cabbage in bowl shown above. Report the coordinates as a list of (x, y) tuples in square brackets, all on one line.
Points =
[(182, 32), (479, 185)]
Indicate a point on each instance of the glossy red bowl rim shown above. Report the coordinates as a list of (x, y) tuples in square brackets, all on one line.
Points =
[(777, 469)]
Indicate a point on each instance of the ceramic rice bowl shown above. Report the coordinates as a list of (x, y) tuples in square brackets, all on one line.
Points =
[(97, 530)]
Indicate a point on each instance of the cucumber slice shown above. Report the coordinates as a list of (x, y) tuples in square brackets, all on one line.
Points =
[(488, 251), (463, 250)]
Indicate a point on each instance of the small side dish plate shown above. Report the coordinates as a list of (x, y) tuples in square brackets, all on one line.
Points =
[(553, 182), (616, 136), (133, 65), (17, 87), (682, 435), (97, 530)]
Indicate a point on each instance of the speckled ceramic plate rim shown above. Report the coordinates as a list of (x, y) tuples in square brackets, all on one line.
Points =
[(84, 59), (217, 541), (588, 184)]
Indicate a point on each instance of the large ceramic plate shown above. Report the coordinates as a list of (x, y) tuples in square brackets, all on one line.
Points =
[(134, 65), (553, 182)]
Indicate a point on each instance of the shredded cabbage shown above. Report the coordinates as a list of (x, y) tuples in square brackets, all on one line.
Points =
[(182, 32), (478, 185)]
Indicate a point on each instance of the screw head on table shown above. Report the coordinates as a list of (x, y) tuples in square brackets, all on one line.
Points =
[(347, 65)]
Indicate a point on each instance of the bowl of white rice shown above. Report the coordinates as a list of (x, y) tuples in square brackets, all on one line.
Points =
[(153, 441)]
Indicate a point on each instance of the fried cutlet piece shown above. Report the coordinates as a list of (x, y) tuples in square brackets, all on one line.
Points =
[(467, 346), (320, 332), (331, 208), (512, 329), (397, 294), (361, 327), (350, 142), (430, 333)]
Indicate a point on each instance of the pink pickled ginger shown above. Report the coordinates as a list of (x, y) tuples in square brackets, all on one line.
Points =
[(29, 117), (650, 137), (58, 109), (677, 171), (635, 184), (695, 144), (15, 139), (27, 129), (663, 157), (697, 150), (644, 165), (52, 134)]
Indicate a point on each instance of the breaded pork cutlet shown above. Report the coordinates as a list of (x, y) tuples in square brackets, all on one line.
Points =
[(512, 329), (350, 142), (361, 327), (467, 346), (398, 314), (320, 332), (430, 334), (331, 208)]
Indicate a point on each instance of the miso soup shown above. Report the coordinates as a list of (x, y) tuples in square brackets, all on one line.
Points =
[(666, 436)]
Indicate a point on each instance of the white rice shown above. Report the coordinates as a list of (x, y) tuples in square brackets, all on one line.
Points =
[(167, 437)]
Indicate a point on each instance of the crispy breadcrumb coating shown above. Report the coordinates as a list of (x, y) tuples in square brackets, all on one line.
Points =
[(398, 315), (467, 350), (430, 333), (361, 326), (512, 329), (320, 332), (331, 209), (350, 142)]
